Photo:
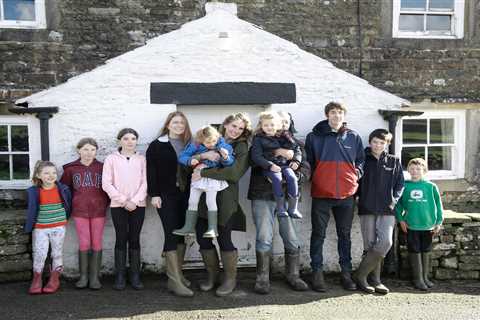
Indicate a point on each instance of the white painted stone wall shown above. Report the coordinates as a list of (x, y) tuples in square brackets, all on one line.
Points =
[(116, 95)]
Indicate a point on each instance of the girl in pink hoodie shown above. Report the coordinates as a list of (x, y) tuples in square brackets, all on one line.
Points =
[(125, 181)]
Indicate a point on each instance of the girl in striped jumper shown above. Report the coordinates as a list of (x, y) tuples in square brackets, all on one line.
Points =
[(49, 204)]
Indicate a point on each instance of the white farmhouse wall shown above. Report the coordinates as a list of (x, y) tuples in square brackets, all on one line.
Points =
[(116, 95)]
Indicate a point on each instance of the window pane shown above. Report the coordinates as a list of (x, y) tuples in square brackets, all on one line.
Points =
[(19, 10), (410, 153), (19, 138), (3, 138), (21, 168), (441, 131), (414, 131), (413, 4), (439, 158), (411, 22), (441, 5), (439, 23), (4, 167)]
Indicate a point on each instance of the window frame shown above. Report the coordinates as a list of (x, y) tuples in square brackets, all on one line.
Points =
[(39, 23), (457, 28), (34, 148), (458, 148)]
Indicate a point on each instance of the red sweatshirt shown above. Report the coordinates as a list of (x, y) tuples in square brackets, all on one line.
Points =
[(85, 182)]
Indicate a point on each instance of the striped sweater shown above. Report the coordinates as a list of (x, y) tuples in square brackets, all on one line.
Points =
[(51, 212)]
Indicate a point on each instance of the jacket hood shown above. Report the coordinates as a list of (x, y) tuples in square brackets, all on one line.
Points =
[(77, 163), (322, 128)]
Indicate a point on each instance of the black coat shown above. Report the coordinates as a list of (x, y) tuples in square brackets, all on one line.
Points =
[(381, 186), (263, 147), (162, 166)]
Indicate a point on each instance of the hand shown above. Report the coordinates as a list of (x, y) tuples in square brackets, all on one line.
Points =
[(404, 226), (196, 175), (436, 229), (275, 168), (293, 165), (156, 202), (210, 155), (130, 206), (286, 153), (224, 153), (194, 162)]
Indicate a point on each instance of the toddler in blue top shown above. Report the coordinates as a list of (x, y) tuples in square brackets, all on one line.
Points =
[(206, 139)]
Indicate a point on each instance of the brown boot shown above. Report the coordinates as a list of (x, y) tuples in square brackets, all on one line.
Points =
[(36, 286), (175, 284), (181, 248), (54, 282), (229, 261), (210, 259)]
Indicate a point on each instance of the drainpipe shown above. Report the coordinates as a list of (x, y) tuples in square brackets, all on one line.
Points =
[(43, 114), (359, 35)]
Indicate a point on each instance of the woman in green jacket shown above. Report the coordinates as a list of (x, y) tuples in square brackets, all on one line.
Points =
[(236, 129)]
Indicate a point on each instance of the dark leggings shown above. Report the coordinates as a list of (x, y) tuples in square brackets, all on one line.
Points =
[(172, 215), (419, 241), (128, 226), (224, 238)]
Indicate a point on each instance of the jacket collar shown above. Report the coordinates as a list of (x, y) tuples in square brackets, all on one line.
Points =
[(323, 128)]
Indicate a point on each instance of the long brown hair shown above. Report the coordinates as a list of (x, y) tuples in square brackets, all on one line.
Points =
[(187, 134), (39, 166), (247, 132)]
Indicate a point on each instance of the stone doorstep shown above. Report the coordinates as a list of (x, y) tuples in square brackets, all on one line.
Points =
[(450, 216), (473, 216)]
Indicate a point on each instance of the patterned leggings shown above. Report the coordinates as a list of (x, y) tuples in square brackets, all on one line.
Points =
[(41, 239)]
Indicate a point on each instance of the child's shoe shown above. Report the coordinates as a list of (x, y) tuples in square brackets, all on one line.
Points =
[(190, 221), (54, 282), (293, 208), (280, 209), (36, 286), (212, 225)]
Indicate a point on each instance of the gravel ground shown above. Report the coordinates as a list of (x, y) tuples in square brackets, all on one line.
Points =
[(449, 300)]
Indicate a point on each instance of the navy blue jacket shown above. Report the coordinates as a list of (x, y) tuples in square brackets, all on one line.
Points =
[(263, 149), (381, 185), (33, 198)]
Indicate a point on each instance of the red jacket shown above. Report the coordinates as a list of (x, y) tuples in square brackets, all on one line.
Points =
[(85, 182)]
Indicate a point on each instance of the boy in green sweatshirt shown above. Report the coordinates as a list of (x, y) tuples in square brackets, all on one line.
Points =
[(419, 212)]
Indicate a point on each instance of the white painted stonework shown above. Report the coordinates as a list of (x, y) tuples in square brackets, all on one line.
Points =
[(219, 47)]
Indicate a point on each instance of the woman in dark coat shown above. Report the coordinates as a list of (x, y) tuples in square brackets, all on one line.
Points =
[(236, 130), (167, 185)]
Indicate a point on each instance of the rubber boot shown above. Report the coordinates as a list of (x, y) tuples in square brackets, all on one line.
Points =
[(318, 281), (229, 282), (83, 268), (188, 228), (181, 248), (426, 269), (367, 265), (210, 259), (417, 271), (280, 208), (120, 269), (36, 286), (376, 280), (135, 269), (53, 282), (94, 271), (175, 284), (293, 208), (347, 281), (262, 281), (212, 225), (292, 272)]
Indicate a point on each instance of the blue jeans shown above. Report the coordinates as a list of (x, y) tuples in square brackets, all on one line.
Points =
[(263, 212), (290, 179), (343, 214)]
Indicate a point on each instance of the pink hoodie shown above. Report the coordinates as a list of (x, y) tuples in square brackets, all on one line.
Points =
[(124, 179)]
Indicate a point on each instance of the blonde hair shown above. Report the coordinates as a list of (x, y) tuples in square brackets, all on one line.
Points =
[(39, 166), (187, 134), (205, 133), (268, 115), (418, 162), (247, 132)]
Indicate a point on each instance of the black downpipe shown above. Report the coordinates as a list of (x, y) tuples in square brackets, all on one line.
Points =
[(359, 35), (44, 137)]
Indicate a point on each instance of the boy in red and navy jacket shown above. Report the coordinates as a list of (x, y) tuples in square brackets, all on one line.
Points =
[(336, 156)]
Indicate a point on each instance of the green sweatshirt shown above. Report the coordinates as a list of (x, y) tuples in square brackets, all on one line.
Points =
[(420, 205)]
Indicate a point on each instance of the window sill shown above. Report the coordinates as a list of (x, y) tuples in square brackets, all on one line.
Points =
[(419, 36), (18, 185)]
